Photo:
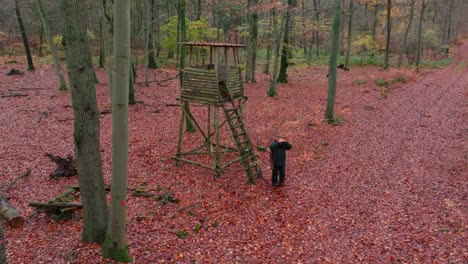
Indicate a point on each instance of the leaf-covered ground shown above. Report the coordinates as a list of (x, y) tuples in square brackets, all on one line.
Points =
[(387, 185)]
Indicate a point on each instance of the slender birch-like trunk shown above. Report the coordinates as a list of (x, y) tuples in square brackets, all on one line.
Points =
[(405, 38), (115, 246), (389, 31), (53, 48), (350, 30), (24, 36), (332, 71)]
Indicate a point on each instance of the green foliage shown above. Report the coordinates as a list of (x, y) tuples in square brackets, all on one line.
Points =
[(215, 223), (400, 78), (364, 44), (437, 64), (182, 234), (337, 120), (360, 81), (63, 88), (430, 38), (57, 39), (381, 82), (197, 228), (198, 31)]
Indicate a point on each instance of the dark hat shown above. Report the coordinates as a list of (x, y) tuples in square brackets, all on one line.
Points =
[(279, 136)]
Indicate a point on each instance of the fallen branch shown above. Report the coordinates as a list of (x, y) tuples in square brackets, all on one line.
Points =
[(15, 95), (57, 205), (62, 198), (10, 185)]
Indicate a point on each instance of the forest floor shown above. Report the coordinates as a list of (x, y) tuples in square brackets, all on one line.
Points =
[(387, 185)]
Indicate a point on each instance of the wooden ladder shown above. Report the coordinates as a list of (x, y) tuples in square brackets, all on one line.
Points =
[(244, 146)]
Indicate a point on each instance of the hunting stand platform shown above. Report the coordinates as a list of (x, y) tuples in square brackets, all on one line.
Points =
[(218, 86)]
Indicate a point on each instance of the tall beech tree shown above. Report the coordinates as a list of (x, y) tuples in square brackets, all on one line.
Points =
[(389, 31), (189, 127), (106, 36), (405, 38), (115, 246), (276, 54), (420, 33), (350, 30), (52, 46), (283, 72), (86, 120), (252, 44), (150, 62), (19, 19), (332, 71)]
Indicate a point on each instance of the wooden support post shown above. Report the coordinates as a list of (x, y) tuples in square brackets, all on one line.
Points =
[(181, 132), (216, 127), (190, 56)]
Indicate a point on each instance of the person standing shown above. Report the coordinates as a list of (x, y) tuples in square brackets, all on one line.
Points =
[(278, 160)]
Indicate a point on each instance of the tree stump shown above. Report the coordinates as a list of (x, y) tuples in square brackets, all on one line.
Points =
[(65, 166)]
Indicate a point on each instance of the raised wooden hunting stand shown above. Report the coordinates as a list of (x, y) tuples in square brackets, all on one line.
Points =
[(218, 86)]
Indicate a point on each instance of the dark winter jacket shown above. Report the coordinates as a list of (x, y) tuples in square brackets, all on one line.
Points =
[(278, 152)]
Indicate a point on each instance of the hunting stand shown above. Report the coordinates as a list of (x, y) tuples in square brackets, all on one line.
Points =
[(218, 86)]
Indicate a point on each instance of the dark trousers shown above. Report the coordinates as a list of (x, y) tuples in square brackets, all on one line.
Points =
[(278, 171)]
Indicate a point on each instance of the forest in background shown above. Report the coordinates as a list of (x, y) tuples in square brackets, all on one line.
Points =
[(252, 23)]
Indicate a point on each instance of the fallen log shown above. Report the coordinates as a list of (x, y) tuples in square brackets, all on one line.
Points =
[(56, 205), (9, 213)]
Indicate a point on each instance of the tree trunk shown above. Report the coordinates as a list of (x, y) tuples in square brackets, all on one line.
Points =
[(283, 72), (317, 5), (277, 36), (106, 39), (420, 35), (199, 9), (3, 258), (151, 51), (389, 31), (449, 28), (41, 42), (189, 127), (147, 38), (102, 57), (53, 48), (350, 30), (252, 45), (375, 22), (86, 120), (24, 36), (131, 81), (115, 246), (266, 69), (405, 38), (332, 71)]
